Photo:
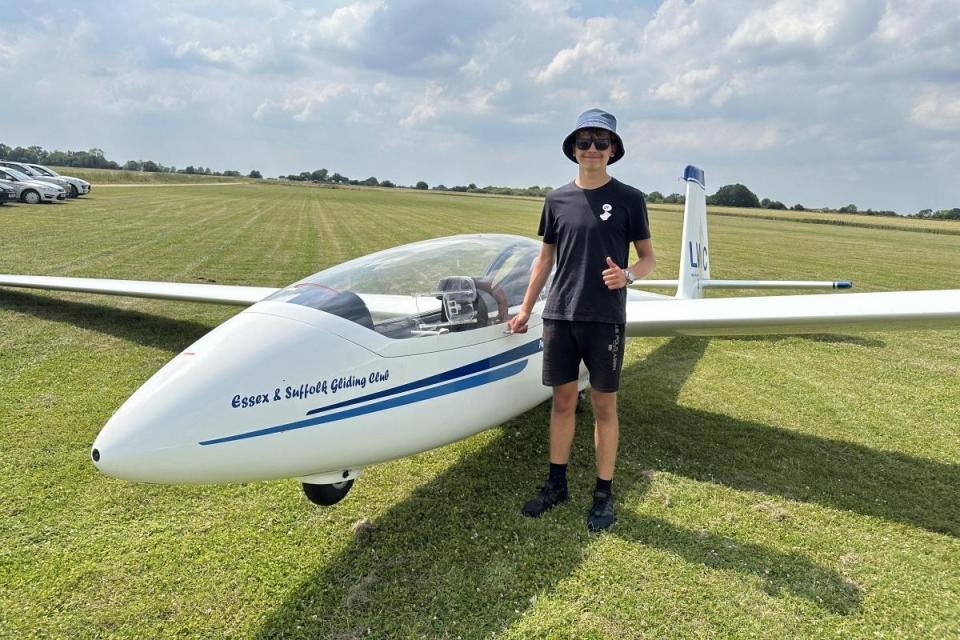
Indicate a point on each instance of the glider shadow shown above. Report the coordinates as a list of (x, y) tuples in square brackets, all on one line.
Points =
[(832, 338), (134, 326), (471, 512)]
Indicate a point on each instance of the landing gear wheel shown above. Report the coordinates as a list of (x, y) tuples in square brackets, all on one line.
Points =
[(327, 494), (581, 396)]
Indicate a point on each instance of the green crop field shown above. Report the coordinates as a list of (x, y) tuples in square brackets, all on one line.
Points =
[(784, 487)]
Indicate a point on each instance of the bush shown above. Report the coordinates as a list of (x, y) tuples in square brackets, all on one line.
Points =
[(734, 195)]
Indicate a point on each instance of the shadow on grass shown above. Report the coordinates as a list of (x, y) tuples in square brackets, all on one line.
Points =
[(792, 572), (457, 558), (832, 338), (759, 457), (143, 328)]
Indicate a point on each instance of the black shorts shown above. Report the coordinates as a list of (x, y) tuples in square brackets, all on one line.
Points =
[(598, 344)]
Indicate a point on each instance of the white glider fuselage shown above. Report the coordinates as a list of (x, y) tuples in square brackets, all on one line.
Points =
[(285, 391), (288, 388)]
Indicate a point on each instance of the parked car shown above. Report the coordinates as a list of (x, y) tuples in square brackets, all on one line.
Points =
[(35, 175), (31, 191), (78, 186), (7, 194)]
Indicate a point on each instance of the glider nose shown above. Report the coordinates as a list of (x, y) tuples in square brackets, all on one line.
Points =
[(240, 377), (115, 452), (154, 435)]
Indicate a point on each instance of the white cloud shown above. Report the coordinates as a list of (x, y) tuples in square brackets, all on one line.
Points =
[(790, 23), (674, 26), (597, 49), (343, 27), (937, 109), (231, 56), (688, 86), (426, 108), (301, 103), (692, 137)]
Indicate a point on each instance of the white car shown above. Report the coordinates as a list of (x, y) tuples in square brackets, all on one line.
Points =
[(31, 191), (35, 175), (78, 186)]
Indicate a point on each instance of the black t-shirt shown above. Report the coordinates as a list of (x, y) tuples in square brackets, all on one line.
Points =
[(587, 225)]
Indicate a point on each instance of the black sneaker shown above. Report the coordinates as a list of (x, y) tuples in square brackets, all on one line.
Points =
[(601, 515), (548, 497)]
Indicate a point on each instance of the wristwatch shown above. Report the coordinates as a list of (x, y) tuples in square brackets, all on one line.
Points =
[(629, 276)]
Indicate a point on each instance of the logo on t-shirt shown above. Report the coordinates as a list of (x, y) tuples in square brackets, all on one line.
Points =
[(606, 212)]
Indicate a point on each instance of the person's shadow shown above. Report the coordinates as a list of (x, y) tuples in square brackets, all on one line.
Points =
[(470, 513)]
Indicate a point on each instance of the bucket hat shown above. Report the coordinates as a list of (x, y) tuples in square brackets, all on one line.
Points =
[(594, 119)]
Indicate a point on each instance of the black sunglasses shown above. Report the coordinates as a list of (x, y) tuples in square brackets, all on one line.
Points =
[(602, 144)]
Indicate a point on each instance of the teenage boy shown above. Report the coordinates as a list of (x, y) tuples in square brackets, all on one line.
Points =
[(587, 227)]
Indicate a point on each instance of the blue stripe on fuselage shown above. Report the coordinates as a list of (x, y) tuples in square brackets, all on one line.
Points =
[(480, 365), (451, 387)]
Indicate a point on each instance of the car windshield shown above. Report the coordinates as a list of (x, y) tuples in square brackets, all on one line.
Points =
[(17, 174), (432, 287), (44, 171), (22, 169)]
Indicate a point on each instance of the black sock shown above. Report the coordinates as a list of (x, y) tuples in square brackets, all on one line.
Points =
[(558, 475), (605, 485)]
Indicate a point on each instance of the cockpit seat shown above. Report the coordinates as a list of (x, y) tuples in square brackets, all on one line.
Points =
[(350, 306)]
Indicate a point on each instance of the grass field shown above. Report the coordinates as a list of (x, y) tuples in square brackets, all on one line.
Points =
[(788, 487)]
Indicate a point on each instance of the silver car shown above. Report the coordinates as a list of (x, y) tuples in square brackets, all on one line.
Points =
[(31, 191), (78, 186), (34, 175)]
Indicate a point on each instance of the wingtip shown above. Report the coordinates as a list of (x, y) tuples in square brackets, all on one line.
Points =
[(843, 284)]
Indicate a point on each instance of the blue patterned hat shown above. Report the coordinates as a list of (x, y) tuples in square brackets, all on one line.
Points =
[(594, 119)]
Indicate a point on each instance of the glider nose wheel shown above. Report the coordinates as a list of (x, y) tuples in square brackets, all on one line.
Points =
[(327, 494)]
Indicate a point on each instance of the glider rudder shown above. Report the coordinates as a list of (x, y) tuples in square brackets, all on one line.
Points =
[(694, 255)]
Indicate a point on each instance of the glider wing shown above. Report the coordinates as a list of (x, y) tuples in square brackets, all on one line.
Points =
[(215, 293), (936, 309)]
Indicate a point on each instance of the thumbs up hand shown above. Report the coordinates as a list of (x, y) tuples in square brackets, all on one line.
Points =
[(613, 276)]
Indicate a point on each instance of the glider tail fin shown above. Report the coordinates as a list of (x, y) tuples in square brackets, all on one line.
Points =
[(694, 255)]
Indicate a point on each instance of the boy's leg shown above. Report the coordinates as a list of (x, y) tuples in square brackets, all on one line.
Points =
[(603, 349), (606, 433), (563, 417)]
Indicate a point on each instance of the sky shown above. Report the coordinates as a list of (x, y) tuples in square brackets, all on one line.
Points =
[(818, 102)]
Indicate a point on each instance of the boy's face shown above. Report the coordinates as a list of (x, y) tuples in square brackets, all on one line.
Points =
[(593, 156)]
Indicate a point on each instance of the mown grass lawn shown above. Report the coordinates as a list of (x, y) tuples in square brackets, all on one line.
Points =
[(787, 487)]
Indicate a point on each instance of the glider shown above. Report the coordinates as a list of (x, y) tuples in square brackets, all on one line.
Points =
[(405, 350)]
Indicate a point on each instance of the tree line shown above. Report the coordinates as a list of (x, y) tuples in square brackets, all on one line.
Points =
[(731, 195), (96, 159), (323, 176), (738, 195)]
